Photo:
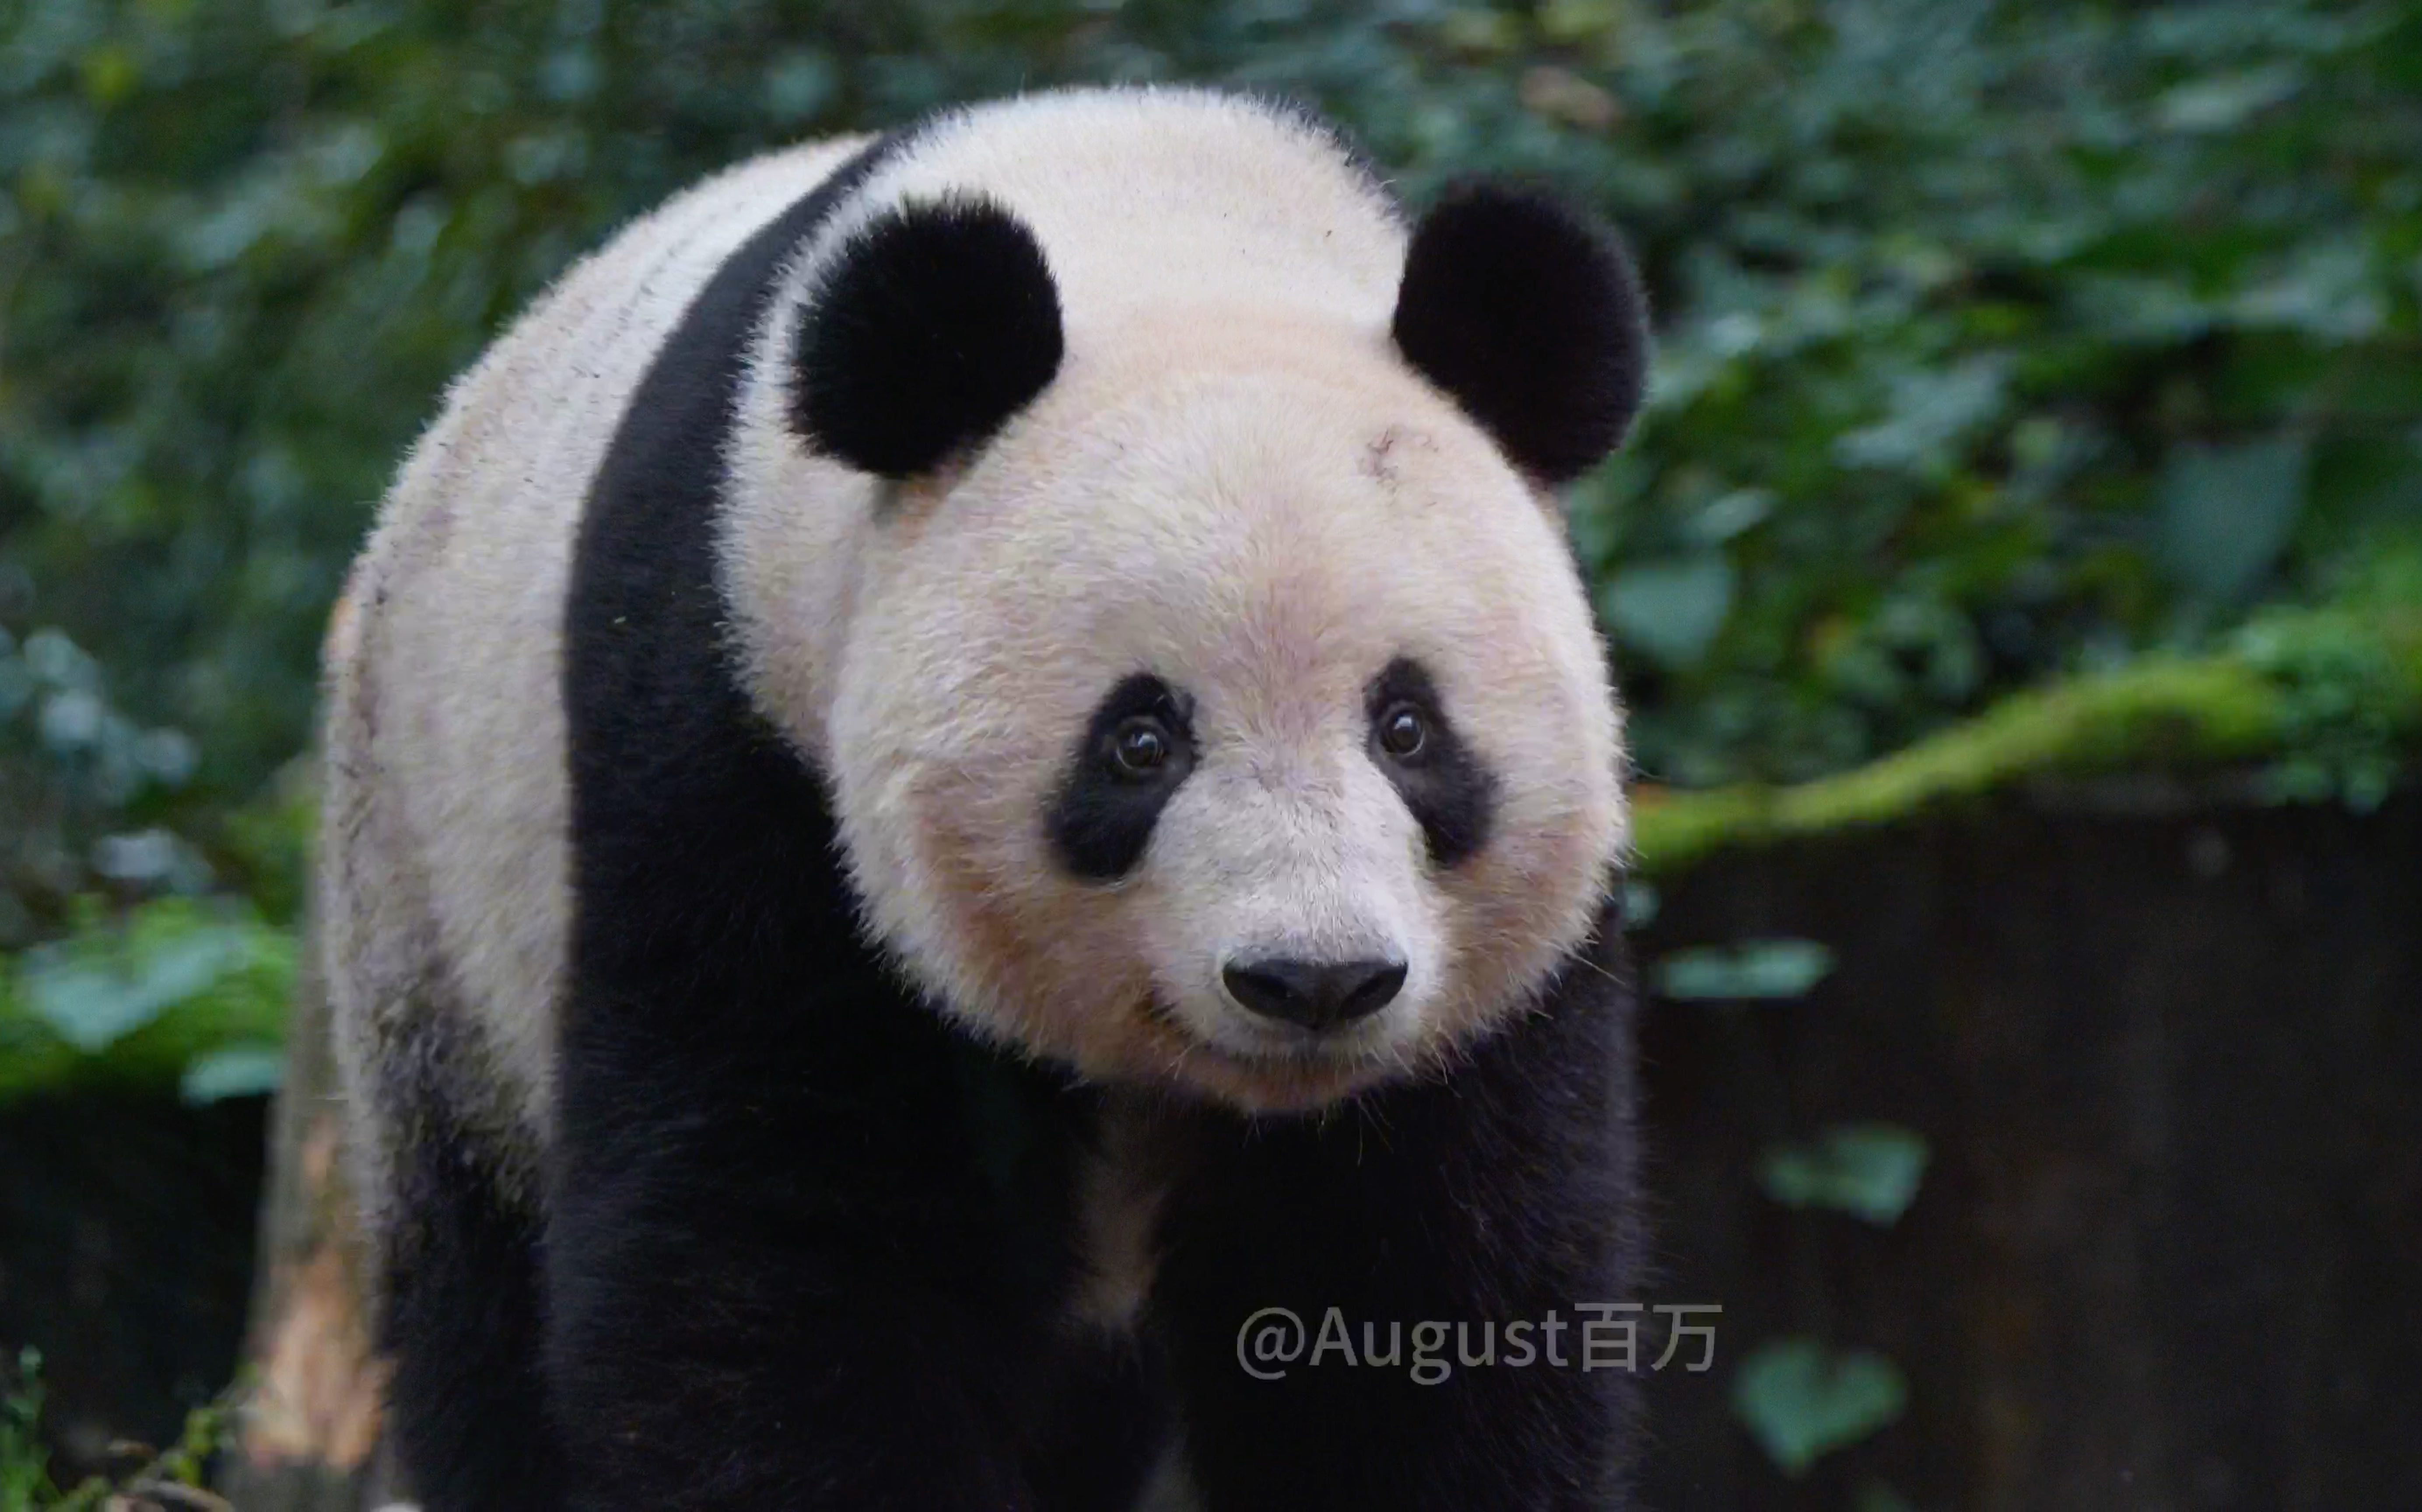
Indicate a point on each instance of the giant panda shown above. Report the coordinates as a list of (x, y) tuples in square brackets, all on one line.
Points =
[(965, 760)]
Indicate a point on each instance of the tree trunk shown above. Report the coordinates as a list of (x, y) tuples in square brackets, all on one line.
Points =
[(308, 1437)]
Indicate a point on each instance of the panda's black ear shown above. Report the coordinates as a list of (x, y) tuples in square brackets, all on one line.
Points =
[(935, 322), (1528, 313)]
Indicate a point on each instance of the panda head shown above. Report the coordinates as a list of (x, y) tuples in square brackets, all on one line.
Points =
[(1219, 705)]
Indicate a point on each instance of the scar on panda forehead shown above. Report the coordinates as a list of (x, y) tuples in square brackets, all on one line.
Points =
[(1379, 457)]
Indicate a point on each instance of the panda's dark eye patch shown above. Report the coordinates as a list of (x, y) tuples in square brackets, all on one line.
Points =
[(1440, 778), (1137, 748)]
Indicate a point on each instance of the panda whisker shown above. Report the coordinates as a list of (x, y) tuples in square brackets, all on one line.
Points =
[(1575, 957)]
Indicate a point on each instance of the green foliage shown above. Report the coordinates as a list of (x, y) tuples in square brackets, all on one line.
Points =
[(2227, 512), (2347, 706), (1995, 336), (1869, 1170), (1803, 1400), (1999, 341), (2331, 699), (79, 779), (1751, 969), (24, 1464), (173, 988), (175, 1477), (1672, 610), (95, 989), (249, 1069)]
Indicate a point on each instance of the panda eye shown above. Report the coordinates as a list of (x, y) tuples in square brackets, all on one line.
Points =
[(1139, 746), (1403, 732)]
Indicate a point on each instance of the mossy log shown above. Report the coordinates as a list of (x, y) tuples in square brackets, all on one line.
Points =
[(2165, 715)]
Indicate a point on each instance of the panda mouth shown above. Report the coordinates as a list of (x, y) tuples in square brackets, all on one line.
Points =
[(1319, 1058)]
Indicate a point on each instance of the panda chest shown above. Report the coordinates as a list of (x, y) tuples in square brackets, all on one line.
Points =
[(1121, 1181)]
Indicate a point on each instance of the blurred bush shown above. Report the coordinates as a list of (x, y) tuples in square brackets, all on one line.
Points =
[(2000, 340)]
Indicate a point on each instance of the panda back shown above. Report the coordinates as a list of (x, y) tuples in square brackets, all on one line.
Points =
[(449, 852)]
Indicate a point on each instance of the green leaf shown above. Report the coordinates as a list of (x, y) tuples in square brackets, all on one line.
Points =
[(799, 84), (2328, 293), (1671, 610), (1730, 515), (1764, 968), (2226, 513), (2219, 104), (1802, 1400), (1931, 412), (251, 1070), (1869, 1170), (98, 993), (116, 964), (1640, 901)]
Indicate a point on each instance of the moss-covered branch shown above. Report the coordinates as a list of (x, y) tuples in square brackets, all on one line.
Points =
[(2293, 687)]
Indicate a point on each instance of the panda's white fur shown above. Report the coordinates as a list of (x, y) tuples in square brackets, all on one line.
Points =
[(1285, 484), (1234, 478)]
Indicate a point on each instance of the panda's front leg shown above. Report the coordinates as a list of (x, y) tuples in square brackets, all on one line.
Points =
[(1503, 1196), (734, 1375), (772, 1289)]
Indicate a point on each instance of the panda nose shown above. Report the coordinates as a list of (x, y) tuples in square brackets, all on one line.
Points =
[(1316, 995)]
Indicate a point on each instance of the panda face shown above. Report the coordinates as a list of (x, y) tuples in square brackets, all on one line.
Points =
[(1237, 722)]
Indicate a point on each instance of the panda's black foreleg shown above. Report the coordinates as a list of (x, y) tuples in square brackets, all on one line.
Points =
[(461, 1324), (778, 1275), (732, 1376), (1502, 1195), (1100, 1432)]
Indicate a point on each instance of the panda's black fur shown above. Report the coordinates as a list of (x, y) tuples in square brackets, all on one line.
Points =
[(806, 1244), (463, 1309), (940, 323), (798, 1101), (1529, 316)]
